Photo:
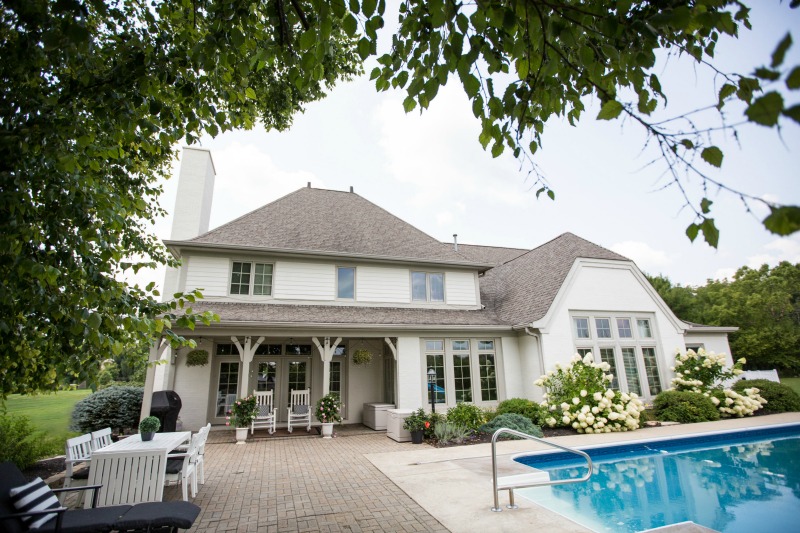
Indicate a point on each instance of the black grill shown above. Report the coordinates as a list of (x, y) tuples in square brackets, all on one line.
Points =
[(166, 406)]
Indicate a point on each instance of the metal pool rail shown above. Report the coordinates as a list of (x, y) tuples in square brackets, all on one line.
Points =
[(521, 481)]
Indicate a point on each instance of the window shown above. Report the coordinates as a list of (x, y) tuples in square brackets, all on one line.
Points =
[(461, 371), (435, 361), (582, 328), (251, 278), (631, 370), (644, 328), (335, 381), (488, 371), (603, 326), (346, 283), (624, 328), (427, 286), (269, 349), (267, 373), (607, 356), (651, 370)]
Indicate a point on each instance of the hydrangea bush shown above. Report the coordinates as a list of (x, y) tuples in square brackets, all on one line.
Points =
[(705, 372), (577, 395)]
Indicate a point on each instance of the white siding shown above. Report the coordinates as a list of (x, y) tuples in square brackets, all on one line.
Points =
[(209, 273), (192, 385), (460, 288), (304, 281), (383, 284)]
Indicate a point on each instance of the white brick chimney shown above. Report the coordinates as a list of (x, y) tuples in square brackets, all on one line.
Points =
[(195, 191)]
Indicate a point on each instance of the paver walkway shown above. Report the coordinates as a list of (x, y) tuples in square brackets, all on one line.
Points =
[(303, 483)]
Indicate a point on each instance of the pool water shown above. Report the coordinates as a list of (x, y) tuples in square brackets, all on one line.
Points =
[(731, 482)]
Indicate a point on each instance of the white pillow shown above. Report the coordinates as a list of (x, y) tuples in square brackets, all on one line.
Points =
[(34, 496)]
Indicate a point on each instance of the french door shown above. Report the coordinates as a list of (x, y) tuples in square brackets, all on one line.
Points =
[(281, 375)]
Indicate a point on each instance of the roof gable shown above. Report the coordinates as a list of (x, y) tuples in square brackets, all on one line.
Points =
[(332, 222), (523, 289)]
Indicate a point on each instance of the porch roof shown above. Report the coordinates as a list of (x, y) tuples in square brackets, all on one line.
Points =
[(356, 316)]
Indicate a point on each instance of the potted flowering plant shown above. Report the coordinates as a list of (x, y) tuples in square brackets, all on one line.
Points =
[(242, 413), (416, 423), (328, 412)]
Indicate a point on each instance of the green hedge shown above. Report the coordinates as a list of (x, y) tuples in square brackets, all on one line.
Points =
[(524, 407), (780, 398), (685, 407), (512, 421)]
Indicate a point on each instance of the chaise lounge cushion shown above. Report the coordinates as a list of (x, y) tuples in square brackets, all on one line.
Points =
[(159, 514), (97, 520)]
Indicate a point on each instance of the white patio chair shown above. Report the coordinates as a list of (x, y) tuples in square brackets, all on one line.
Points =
[(299, 409), (127, 477), (182, 468), (78, 450), (266, 413), (101, 438), (201, 451)]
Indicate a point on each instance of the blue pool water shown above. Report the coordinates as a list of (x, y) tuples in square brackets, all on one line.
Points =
[(746, 481)]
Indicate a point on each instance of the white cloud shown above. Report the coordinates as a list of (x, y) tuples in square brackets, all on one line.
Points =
[(646, 258), (724, 273), (783, 249)]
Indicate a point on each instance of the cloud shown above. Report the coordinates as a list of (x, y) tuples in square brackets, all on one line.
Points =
[(647, 258), (783, 249)]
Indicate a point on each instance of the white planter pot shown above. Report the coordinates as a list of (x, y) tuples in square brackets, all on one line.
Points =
[(327, 430), (241, 435)]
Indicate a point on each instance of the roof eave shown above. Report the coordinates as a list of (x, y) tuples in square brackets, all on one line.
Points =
[(176, 246), (355, 325)]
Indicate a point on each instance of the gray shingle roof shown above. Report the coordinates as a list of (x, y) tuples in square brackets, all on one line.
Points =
[(493, 255), (319, 220), (522, 290), (326, 314)]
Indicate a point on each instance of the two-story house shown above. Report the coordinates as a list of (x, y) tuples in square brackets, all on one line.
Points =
[(303, 282)]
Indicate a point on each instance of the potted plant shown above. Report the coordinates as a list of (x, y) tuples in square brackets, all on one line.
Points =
[(362, 357), (148, 427), (328, 412), (416, 423), (242, 413)]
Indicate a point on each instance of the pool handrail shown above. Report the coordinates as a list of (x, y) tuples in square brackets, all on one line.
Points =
[(510, 489)]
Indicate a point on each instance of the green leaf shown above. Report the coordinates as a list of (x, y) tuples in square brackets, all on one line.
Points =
[(471, 85), (713, 156), (691, 231), (767, 74), (551, 194), (689, 145), (783, 220), (375, 73), (250, 93), (610, 110), (793, 79), (350, 24), (705, 205), (364, 48), (409, 104), (308, 39), (793, 113), (724, 92), (94, 321), (780, 50), (765, 110), (710, 232), (368, 7)]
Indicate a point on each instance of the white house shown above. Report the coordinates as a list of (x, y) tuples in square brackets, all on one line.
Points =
[(303, 282)]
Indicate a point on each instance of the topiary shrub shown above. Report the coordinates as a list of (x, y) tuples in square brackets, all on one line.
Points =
[(514, 421), (780, 398), (115, 407), (524, 407), (466, 415), (20, 441), (685, 407)]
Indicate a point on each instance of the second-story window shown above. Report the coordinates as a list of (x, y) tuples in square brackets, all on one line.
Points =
[(427, 286), (346, 283), (251, 278)]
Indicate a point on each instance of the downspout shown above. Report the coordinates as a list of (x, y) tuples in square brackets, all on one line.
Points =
[(539, 345)]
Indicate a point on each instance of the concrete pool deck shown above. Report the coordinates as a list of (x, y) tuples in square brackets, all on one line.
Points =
[(362, 481)]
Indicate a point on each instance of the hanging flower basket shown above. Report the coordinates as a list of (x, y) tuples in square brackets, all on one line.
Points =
[(362, 357), (197, 358)]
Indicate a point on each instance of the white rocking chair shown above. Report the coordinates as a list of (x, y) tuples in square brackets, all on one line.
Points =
[(299, 409), (266, 413)]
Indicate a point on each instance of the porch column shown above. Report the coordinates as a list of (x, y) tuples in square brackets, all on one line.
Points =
[(392, 347), (157, 348), (326, 352), (246, 354)]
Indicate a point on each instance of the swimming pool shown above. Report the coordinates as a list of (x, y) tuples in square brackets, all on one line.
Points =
[(742, 481)]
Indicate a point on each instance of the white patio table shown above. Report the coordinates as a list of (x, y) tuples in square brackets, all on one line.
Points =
[(131, 471)]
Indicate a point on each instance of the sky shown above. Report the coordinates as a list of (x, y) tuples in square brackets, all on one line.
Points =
[(430, 170)]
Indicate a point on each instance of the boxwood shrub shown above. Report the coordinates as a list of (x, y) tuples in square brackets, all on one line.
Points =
[(115, 407), (685, 407), (524, 407), (466, 415), (514, 421), (780, 398)]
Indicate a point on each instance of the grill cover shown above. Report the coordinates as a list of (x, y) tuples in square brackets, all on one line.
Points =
[(166, 406)]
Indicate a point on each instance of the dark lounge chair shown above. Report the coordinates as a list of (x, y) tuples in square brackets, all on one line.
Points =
[(140, 517)]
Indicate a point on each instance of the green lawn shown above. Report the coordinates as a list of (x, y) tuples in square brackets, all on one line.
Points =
[(48, 412), (794, 383)]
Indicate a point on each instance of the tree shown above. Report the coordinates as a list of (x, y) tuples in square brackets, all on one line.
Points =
[(763, 303), (524, 62), (94, 97)]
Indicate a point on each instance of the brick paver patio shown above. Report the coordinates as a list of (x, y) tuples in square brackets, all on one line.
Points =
[(303, 483)]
